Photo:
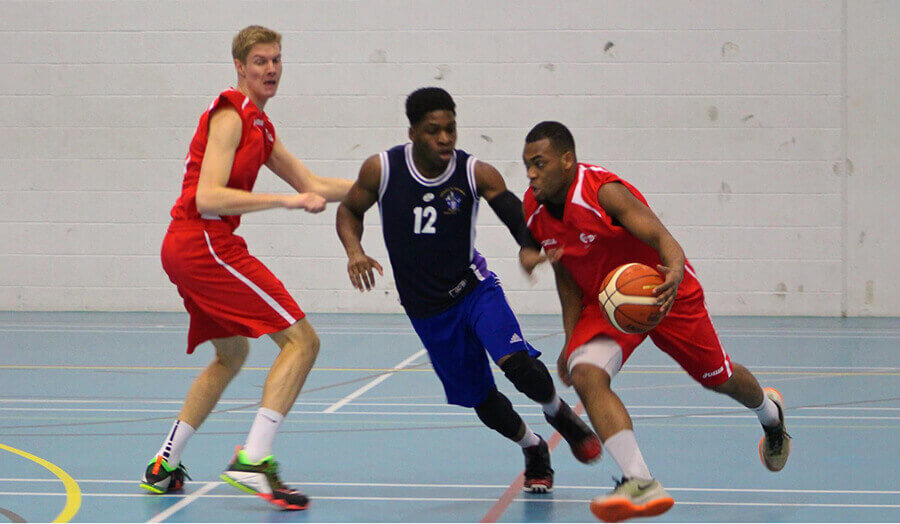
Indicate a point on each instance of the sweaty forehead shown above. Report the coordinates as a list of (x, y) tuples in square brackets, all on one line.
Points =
[(542, 147)]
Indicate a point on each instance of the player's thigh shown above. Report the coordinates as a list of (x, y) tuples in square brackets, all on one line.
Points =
[(231, 351), (493, 323), (600, 354), (687, 335)]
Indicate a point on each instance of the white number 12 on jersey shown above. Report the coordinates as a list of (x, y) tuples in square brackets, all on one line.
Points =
[(430, 215)]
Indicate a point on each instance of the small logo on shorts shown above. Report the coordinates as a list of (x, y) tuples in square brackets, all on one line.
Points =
[(515, 338), (713, 373)]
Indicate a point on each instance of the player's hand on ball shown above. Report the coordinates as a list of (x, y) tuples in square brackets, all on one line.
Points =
[(360, 269), (666, 291)]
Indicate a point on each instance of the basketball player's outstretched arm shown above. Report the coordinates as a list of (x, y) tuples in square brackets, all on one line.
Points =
[(508, 208), (570, 300), (643, 223), (288, 167), (362, 195), (213, 195)]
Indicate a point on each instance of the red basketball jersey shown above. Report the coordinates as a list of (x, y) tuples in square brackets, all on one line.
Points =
[(257, 140), (592, 244)]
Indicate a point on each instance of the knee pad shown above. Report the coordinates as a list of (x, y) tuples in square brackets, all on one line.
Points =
[(530, 376), (496, 412)]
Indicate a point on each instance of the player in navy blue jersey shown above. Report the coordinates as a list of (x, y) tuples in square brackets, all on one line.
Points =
[(428, 194)]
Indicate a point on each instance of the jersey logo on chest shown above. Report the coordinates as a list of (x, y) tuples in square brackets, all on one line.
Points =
[(453, 199)]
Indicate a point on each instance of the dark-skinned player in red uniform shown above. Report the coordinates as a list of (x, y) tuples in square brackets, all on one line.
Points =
[(589, 222)]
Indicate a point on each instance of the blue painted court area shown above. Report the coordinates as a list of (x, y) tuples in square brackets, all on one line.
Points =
[(85, 400)]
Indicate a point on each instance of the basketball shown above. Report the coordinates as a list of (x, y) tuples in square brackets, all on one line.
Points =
[(627, 298)]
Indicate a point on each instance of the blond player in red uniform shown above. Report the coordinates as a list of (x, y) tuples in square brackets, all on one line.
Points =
[(590, 221), (229, 294)]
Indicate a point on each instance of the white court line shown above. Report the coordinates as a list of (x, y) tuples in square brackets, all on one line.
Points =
[(730, 408), (174, 508), (473, 499), (739, 413), (378, 380), (493, 486)]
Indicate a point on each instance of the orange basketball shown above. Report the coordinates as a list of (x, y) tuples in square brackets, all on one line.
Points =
[(627, 298)]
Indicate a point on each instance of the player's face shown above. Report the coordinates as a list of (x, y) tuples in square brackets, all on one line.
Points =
[(434, 138), (261, 72), (546, 169)]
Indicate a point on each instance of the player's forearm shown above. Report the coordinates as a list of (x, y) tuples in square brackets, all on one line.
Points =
[(569, 299), (332, 189), (230, 201), (670, 252), (349, 230), (508, 208)]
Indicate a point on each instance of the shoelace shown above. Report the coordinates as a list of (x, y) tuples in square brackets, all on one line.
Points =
[(272, 472)]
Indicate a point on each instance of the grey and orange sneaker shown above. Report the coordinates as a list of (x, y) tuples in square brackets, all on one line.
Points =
[(161, 478), (261, 479), (632, 498), (775, 446)]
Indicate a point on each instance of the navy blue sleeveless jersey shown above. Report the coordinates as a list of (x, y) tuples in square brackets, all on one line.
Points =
[(429, 230)]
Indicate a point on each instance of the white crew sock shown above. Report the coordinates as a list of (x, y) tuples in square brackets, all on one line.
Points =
[(530, 439), (624, 450), (552, 408), (262, 434), (174, 444), (767, 412)]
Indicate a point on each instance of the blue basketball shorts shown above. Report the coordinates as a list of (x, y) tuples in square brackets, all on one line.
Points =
[(456, 341)]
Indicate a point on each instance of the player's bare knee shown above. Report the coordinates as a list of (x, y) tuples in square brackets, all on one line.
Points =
[(588, 378), (726, 388)]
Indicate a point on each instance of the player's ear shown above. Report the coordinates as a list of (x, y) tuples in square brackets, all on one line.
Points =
[(239, 67), (568, 160), (410, 133)]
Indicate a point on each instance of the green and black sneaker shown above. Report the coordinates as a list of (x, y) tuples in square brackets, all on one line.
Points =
[(161, 478), (261, 479)]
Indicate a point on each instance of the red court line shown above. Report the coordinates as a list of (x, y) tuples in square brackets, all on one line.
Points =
[(516, 487)]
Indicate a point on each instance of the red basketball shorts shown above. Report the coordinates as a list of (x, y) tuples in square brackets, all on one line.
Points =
[(226, 291), (686, 334)]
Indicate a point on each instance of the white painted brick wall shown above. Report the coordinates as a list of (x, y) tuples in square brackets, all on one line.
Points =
[(727, 114)]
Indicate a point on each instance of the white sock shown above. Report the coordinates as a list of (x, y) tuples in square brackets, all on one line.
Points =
[(552, 408), (262, 434), (176, 441), (530, 439), (767, 412), (624, 450)]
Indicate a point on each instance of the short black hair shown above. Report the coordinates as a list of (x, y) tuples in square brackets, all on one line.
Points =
[(425, 100), (559, 135)]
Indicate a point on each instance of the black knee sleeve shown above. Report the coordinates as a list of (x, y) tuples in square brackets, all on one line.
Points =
[(530, 376), (497, 413)]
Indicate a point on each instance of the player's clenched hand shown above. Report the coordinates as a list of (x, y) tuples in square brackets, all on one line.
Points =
[(665, 292), (562, 368), (360, 269), (531, 258), (311, 202)]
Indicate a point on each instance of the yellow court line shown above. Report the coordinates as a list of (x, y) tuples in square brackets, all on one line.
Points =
[(73, 492), (408, 370)]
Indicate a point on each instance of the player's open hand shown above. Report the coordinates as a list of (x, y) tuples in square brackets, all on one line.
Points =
[(665, 292), (530, 258), (311, 202), (562, 368), (360, 270)]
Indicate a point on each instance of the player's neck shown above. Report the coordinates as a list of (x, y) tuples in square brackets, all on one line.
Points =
[(424, 168), (260, 103)]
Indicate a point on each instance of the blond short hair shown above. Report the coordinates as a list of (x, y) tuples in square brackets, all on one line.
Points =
[(250, 36)]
